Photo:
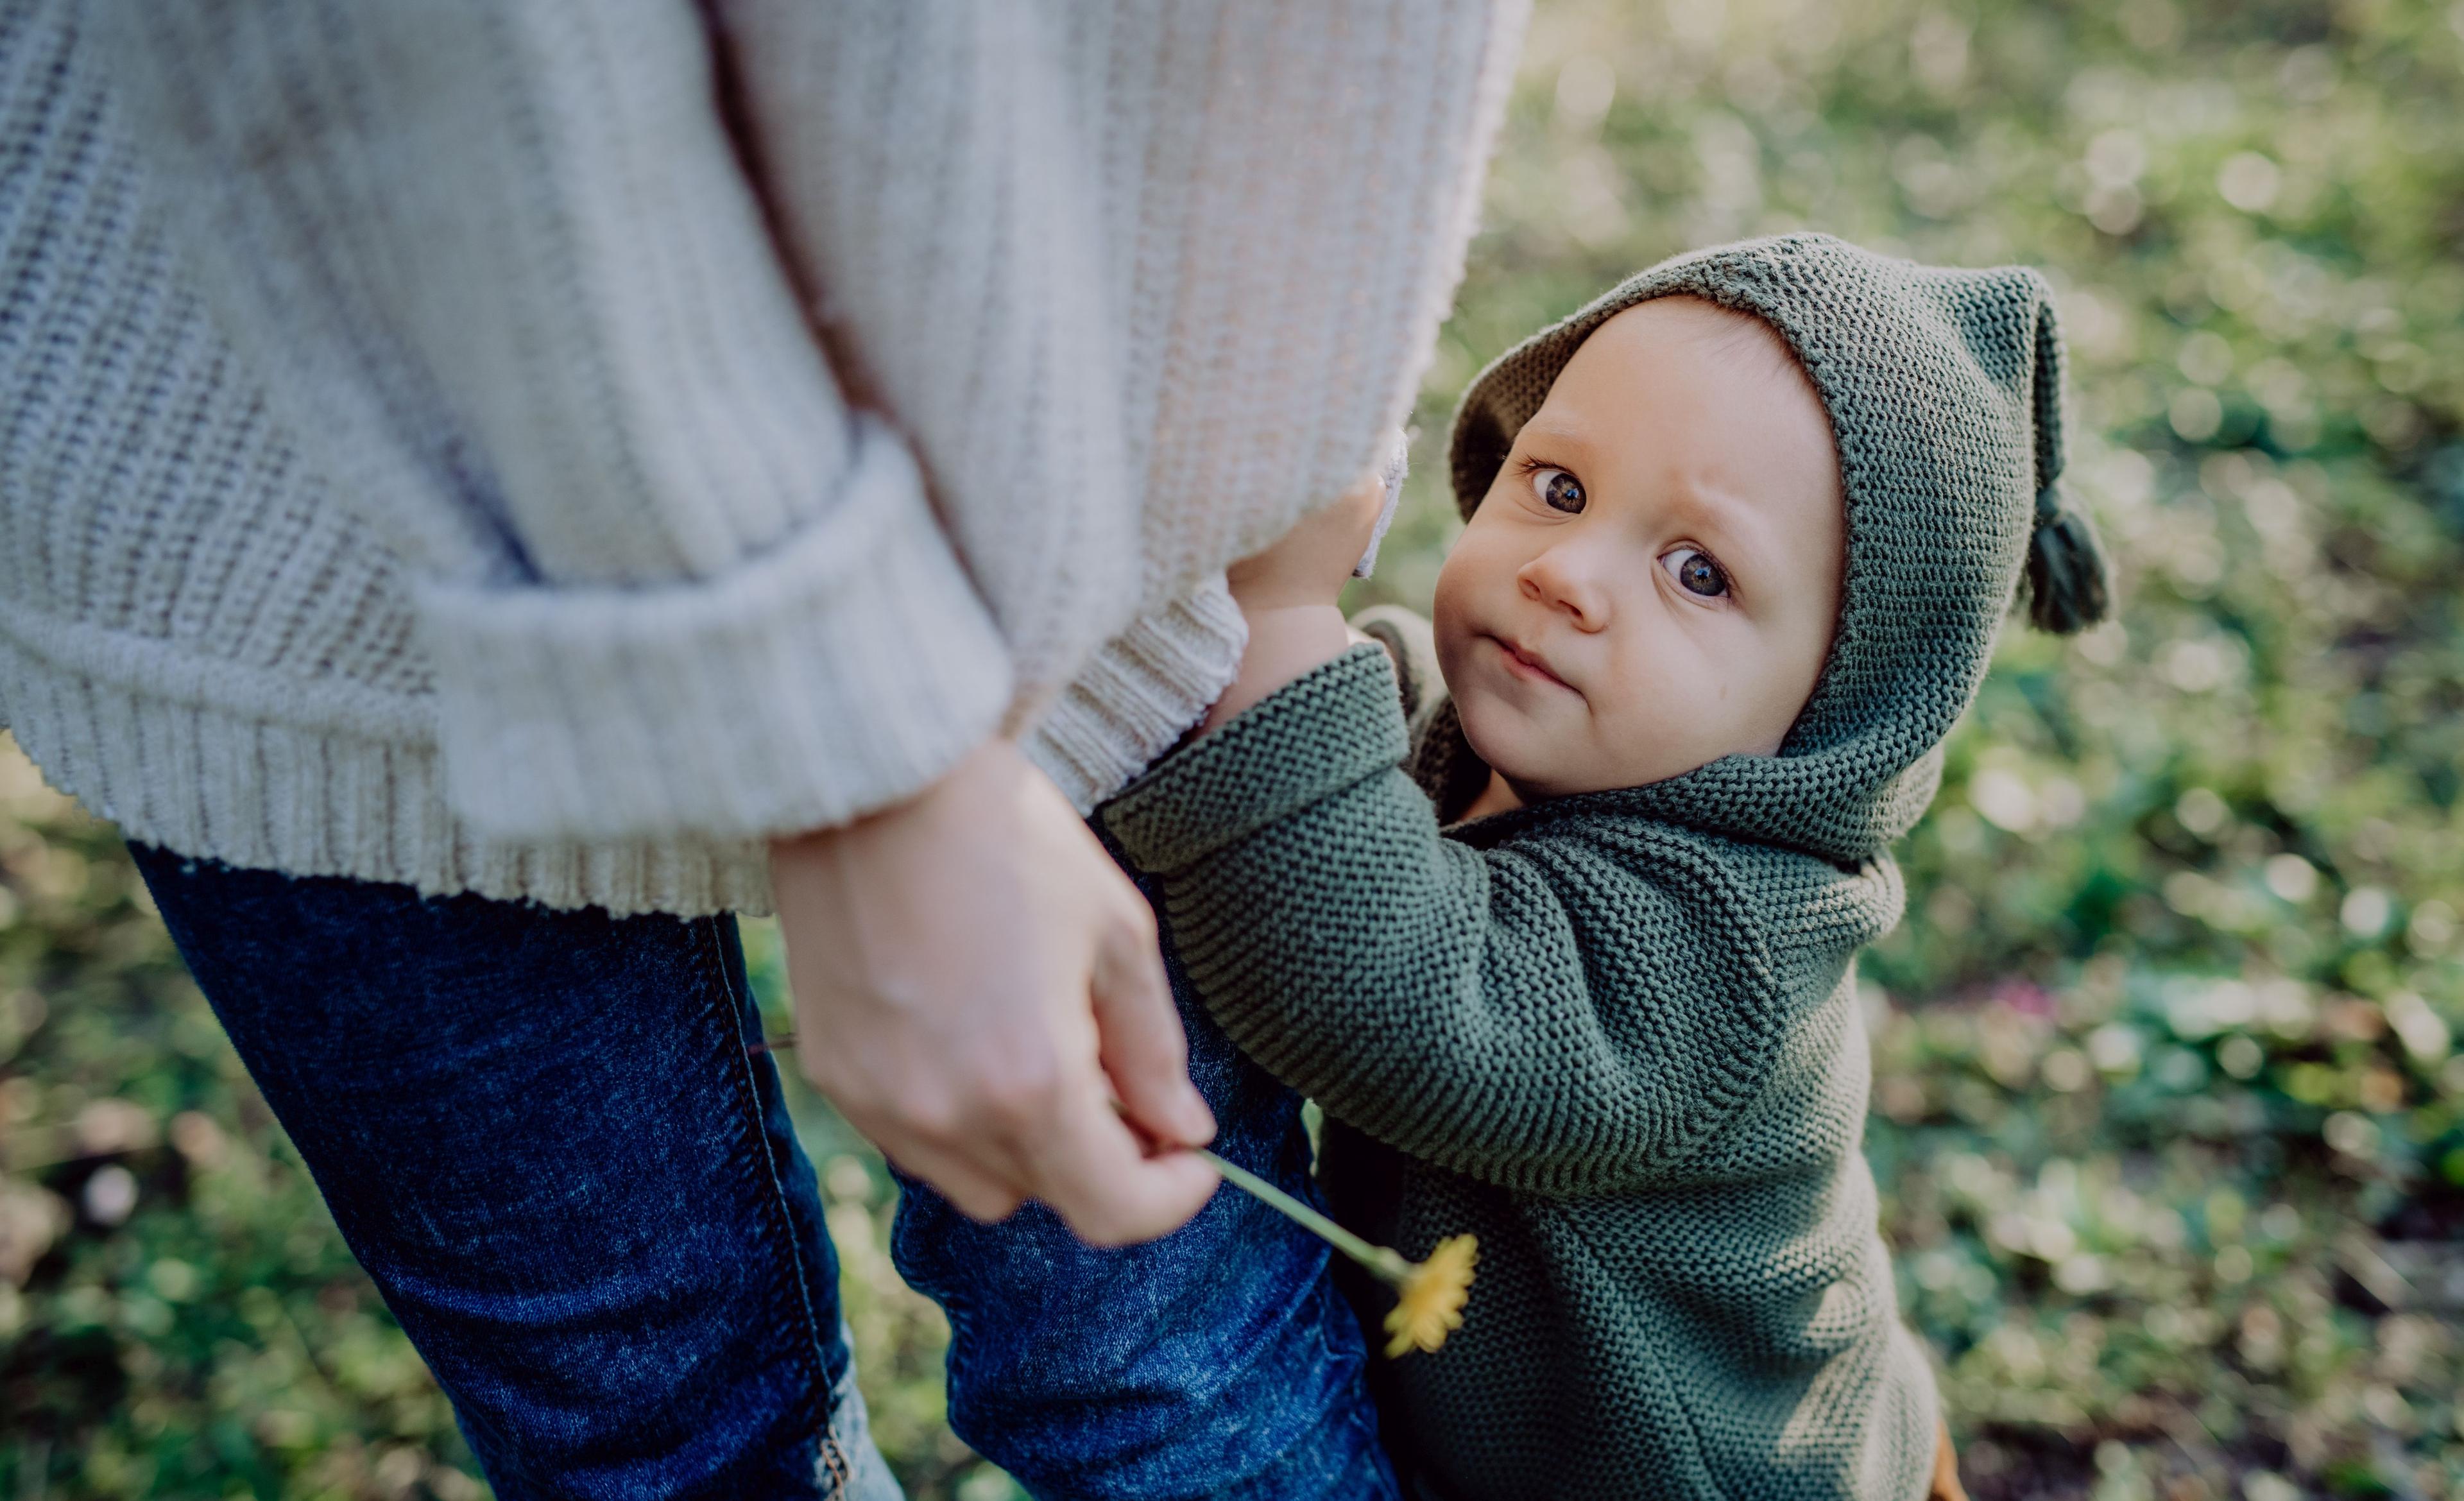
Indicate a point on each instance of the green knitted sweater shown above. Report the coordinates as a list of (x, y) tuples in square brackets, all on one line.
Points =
[(1626, 1055), (1616, 1036)]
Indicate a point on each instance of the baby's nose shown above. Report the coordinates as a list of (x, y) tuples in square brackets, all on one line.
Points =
[(1568, 583)]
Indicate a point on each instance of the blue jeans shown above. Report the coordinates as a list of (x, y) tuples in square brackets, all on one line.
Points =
[(544, 1136), (1218, 1361)]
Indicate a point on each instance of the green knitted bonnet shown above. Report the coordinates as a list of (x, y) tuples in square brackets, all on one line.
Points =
[(1944, 393)]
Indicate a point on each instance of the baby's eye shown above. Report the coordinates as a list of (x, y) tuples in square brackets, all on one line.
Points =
[(1695, 572), (1558, 490)]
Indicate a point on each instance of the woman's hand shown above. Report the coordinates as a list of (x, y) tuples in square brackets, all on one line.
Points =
[(976, 983)]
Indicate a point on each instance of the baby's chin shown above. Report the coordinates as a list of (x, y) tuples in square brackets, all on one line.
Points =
[(1532, 757)]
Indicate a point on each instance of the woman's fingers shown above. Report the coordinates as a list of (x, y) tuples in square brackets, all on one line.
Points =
[(974, 978), (1089, 1158), (1139, 1039)]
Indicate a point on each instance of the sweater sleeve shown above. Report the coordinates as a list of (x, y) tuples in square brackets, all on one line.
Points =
[(1558, 1016), (505, 273)]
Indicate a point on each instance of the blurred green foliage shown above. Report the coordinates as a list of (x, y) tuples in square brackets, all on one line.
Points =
[(2170, 1118), (177, 1314)]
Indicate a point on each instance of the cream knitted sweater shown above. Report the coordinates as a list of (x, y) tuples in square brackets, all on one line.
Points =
[(430, 434)]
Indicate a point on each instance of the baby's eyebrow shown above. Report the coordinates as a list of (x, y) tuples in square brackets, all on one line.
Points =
[(1541, 433), (1730, 525)]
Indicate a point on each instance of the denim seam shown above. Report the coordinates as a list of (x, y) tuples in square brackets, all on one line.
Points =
[(1325, 1303), (1363, 1421), (774, 1200), (956, 1361), (834, 1460)]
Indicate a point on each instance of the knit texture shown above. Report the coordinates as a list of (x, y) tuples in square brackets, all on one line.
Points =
[(1616, 1036), (1943, 392), (1624, 1053), (428, 453)]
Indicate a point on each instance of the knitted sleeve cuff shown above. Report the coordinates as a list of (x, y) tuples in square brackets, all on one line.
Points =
[(1303, 742), (1139, 694), (829, 676)]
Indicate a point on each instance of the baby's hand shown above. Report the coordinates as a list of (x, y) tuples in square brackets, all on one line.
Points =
[(1310, 564), (1289, 595)]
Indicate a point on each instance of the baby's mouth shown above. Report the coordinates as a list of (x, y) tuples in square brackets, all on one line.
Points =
[(1526, 663)]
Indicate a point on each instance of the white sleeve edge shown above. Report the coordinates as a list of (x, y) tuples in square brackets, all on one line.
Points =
[(832, 675), (1139, 694)]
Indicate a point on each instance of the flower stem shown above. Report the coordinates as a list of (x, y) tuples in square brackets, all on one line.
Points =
[(1385, 1264)]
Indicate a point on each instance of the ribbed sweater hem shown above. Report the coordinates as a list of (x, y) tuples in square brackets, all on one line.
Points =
[(832, 675), (265, 793), (1141, 693)]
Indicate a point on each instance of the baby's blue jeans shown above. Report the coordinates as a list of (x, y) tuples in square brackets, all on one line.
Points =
[(1218, 1361), (544, 1135)]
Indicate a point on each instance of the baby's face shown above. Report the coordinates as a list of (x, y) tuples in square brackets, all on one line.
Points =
[(1653, 580)]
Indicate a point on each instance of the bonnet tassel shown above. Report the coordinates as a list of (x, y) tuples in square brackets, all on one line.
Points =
[(2066, 587), (2065, 574)]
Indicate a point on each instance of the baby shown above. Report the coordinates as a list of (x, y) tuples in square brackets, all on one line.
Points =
[(1564, 945)]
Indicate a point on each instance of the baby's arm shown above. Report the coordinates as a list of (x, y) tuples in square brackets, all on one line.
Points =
[(1571, 1016), (1288, 593)]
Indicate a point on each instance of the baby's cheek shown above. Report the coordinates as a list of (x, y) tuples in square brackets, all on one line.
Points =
[(1456, 579), (1658, 729), (1449, 639)]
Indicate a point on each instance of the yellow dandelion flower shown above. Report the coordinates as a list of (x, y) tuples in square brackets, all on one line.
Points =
[(1429, 1305), (1429, 1295)]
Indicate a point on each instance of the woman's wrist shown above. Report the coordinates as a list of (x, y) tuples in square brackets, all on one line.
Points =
[(1285, 643)]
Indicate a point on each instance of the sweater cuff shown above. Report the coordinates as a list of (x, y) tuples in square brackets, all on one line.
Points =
[(830, 675), (1139, 694), (1326, 731)]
